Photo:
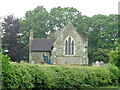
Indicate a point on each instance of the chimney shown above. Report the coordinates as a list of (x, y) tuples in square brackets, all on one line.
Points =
[(31, 34), (30, 42)]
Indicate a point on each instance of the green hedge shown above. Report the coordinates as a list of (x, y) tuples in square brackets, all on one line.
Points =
[(53, 76)]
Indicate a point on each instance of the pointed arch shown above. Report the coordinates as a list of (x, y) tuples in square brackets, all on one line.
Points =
[(69, 46), (66, 47), (72, 47)]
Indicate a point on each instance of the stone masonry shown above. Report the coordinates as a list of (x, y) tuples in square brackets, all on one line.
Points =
[(57, 53)]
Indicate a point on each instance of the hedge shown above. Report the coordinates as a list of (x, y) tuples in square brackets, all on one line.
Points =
[(58, 76)]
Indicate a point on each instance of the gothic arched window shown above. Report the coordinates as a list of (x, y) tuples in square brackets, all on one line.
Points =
[(72, 47), (69, 46), (66, 47)]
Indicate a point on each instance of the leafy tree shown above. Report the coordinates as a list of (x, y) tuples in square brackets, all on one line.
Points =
[(115, 56), (102, 55), (38, 20), (108, 34), (11, 34), (102, 33), (59, 17), (105, 29)]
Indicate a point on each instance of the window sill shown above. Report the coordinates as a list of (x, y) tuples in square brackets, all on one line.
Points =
[(69, 55)]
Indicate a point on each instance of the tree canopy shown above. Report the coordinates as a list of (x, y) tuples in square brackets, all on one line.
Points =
[(10, 39)]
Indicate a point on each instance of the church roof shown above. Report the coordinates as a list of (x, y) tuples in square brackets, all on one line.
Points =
[(42, 44)]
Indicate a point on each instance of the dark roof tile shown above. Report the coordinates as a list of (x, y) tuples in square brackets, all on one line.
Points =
[(42, 44)]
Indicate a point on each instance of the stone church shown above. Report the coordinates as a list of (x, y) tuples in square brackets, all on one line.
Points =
[(65, 46)]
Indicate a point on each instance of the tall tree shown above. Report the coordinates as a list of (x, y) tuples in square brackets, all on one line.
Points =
[(38, 20), (11, 34), (102, 33), (61, 16)]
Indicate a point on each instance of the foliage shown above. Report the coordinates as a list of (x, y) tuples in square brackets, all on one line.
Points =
[(103, 32), (38, 21), (115, 56), (5, 61), (59, 17), (52, 76), (102, 55), (11, 34), (5, 67), (119, 77)]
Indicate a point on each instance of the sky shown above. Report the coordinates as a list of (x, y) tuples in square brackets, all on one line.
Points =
[(86, 7)]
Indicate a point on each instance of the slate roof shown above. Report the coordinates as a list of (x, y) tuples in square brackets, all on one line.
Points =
[(42, 44)]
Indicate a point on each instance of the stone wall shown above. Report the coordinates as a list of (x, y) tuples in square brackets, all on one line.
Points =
[(37, 57), (81, 44), (69, 60)]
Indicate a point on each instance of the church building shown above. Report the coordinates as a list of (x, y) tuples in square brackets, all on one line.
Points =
[(65, 46)]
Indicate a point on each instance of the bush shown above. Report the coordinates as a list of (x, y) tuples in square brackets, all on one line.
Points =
[(5, 67), (5, 61), (114, 56), (102, 55), (52, 76)]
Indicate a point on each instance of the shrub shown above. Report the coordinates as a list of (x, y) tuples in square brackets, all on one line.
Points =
[(102, 55), (114, 56), (52, 76), (5, 61)]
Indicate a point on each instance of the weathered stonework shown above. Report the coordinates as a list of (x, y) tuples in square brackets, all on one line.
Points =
[(38, 57), (57, 54)]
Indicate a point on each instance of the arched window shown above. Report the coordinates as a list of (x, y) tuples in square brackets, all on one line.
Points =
[(72, 47), (66, 47), (69, 46)]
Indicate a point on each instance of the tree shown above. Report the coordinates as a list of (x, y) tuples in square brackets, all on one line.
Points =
[(59, 17), (102, 55), (102, 32), (11, 34), (115, 56), (38, 21)]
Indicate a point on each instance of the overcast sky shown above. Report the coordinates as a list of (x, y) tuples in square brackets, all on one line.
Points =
[(86, 7)]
